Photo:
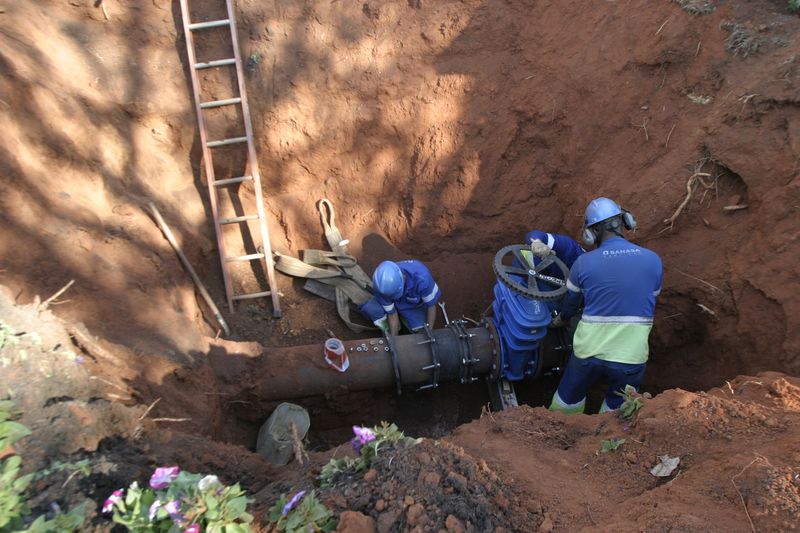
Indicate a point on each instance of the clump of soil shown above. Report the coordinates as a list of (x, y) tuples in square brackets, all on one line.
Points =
[(431, 486), (737, 446)]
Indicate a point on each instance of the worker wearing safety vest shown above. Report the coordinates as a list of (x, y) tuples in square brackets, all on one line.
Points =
[(403, 290), (618, 283)]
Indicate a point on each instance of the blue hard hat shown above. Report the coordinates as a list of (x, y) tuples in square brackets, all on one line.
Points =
[(535, 235), (600, 209), (388, 280)]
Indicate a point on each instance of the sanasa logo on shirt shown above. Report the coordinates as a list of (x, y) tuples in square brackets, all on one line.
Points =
[(624, 251)]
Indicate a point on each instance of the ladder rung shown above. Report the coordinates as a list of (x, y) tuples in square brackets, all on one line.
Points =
[(234, 140), (231, 181), (234, 220), (217, 63), (250, 257), (252, 295), (220, 103), (210, 24)]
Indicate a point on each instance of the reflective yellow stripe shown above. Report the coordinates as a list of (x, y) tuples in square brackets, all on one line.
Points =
[(620, 343), (569, 409), (528, 256)]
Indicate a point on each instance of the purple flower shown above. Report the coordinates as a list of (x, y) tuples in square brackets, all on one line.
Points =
[(163, 476), (111, 501), (363, 436), (194, 528), (296, 498), (173, 509), (154, 509)]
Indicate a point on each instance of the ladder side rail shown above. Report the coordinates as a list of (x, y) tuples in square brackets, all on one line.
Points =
[(207, 160), (253, 163)]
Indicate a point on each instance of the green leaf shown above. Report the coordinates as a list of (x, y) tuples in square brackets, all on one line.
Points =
[(294, 520), (11, 432), (330, 525), (237, 506), (21, 483), (610, 445), (211, 502)]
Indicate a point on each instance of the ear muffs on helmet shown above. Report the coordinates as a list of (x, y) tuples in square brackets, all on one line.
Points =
[(588, 236), (628, 220)]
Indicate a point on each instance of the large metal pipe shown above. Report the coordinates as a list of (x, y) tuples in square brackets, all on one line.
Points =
[(296, 372)]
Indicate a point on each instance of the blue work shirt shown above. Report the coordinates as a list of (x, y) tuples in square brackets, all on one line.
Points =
[(619, 283), (419, 289), (566, 248)]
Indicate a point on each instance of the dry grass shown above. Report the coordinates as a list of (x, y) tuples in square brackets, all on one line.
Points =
[(741, 40), (696, 7)]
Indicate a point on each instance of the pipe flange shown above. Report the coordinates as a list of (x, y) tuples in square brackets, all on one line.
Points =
[(467, 361), (395, 364), (435, 365), (497, 363)]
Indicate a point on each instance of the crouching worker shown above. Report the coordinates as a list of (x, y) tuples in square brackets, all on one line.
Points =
[(543, 244), (618, 283), (546, 244), (404, 290)]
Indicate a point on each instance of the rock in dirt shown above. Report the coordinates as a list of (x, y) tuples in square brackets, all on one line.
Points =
[(454, 525), (430, 479), (387, 520), (416, 515), (355, 522), (547, 525)]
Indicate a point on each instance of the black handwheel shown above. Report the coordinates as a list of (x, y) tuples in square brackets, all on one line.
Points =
[(504, 273)]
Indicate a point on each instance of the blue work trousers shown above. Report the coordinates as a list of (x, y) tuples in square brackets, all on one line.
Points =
[(581, 374), (413, 317)]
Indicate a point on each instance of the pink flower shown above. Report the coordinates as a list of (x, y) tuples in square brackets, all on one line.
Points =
[(111, 501), (163, 476), (194, 528)]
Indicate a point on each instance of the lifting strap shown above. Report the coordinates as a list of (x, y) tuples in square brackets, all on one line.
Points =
[(348, 282)]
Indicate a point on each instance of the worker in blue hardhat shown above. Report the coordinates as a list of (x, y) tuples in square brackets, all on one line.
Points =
[(618, 283), (402, 290)]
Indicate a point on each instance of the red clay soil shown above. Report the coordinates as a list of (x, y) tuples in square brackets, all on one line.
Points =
[(442, 131)]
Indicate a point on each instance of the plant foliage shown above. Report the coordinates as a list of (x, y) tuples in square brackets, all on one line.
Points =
[(610, 445), (368, 443), (308, 516), (14, 512), (631, 402), (181, 502)]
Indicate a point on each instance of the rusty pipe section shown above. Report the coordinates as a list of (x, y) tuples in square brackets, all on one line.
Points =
[(423, 360)]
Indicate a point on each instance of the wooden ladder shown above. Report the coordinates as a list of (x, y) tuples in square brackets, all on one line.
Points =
[(250, 174)]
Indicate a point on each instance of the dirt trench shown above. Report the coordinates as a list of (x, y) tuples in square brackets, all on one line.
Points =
[(440, 131)]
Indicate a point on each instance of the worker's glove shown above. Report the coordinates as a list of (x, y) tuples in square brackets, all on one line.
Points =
[(540, 249), (557, 322)]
